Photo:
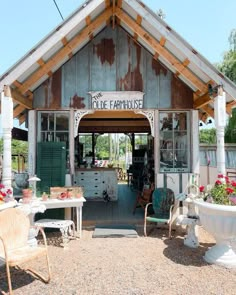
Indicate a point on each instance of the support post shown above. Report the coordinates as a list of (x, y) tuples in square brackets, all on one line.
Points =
[(7, 125), (220, 122)]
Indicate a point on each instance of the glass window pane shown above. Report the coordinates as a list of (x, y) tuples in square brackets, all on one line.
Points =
[(44, 121), (62, 122)]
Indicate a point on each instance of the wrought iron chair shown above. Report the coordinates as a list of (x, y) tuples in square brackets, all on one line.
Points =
[(163, 201), (14, 247)]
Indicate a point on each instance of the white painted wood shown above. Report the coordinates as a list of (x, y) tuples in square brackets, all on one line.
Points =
[(220, 121), (7, 124), (71, 145), (32, 142), (96, 181), (195, 153), (53, 38)]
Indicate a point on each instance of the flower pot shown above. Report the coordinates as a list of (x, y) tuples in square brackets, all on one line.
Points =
[(220, 221), (27, 195)]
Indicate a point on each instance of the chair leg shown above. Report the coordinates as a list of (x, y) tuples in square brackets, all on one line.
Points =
[(9, 278), (45, 280), (144, 229)]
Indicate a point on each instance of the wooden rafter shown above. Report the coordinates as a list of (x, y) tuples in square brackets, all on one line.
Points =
[(18, 110), (78, 39), (180, 68), (202, 101), (229, 106), (208, 110), (21, 119), (19, 98), (119, 3), (162, 41)]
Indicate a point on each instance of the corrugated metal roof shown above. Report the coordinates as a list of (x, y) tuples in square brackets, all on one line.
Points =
[(135, 17)]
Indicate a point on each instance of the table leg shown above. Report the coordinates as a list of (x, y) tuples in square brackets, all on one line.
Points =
[(79, 221)]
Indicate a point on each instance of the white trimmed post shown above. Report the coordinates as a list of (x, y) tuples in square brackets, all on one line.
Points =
[(220, 122), (7, 125)]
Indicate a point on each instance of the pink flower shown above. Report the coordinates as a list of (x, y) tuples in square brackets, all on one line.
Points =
[(220, 176)]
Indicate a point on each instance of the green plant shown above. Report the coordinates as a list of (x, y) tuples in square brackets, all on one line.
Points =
[(221, 192)]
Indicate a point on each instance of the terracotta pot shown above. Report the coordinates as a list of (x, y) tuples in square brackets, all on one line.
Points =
[(27, 195)]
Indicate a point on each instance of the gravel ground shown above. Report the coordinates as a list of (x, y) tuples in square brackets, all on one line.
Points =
[(152, 265)]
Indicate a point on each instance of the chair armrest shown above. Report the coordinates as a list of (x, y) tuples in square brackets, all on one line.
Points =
[(146, 208), (42, 232)]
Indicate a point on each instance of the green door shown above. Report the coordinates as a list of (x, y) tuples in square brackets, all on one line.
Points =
[(51, 164), (51, 169)]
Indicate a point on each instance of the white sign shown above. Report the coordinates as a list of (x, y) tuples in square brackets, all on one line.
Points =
[(117, 100)]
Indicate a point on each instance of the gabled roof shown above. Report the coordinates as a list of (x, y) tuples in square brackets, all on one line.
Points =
[(146, 27)]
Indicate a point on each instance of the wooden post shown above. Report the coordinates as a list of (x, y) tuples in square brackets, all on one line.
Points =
[(220, 122), (7, 125)]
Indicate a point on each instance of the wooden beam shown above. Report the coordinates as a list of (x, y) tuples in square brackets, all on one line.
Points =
[(139, 20), (65, 51), (229, 106), (22, 119), (119, 3), (153, 43), (107, 3), (202, 101), (64, 41), (19, 98), (162, 41), (156, 55), (113, 14), (88, 20), (18, 110), (208, 110), (40, 62)]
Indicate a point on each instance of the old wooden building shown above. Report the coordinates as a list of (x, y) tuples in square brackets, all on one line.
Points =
[(114, 66)]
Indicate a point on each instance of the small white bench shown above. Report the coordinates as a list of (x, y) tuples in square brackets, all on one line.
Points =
[(67, 228)]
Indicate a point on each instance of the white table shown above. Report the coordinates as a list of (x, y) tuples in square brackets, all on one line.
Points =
[(68, 203)]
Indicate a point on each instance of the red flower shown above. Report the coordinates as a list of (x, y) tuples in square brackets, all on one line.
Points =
[(218, 182), (201, 188), (229, 190), (233, 183), (220, 176), (1, 186)]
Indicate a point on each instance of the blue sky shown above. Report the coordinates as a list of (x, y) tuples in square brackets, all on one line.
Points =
[(206, 25)]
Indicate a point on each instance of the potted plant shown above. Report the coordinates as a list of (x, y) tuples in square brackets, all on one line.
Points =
[(217, 213)]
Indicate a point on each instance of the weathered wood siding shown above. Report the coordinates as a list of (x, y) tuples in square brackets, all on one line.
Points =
[(112, 61)]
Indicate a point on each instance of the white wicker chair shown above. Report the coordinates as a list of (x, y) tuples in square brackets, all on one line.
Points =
[(14, 248)]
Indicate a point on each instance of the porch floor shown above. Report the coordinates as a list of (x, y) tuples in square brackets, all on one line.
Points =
[(114, 212)]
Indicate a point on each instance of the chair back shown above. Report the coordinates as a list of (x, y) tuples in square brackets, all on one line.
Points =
[(14, 229), (162, 200)]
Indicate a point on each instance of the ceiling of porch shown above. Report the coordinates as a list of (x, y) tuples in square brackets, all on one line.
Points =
[(146, 28)]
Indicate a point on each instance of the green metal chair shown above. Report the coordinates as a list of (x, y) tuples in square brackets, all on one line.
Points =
[(163, 201)]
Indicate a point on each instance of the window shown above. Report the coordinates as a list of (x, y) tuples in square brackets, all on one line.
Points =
[(174, 142), (54, 126)]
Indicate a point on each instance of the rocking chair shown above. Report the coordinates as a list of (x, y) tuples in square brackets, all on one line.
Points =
[(14, 249)]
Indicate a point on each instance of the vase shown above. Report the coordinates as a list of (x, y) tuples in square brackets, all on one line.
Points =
[(220, 221)]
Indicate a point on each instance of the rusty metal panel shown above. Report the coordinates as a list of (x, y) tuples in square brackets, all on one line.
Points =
[(48, 94), (181, 94), (103, 61), (112, 61), (124, 61)]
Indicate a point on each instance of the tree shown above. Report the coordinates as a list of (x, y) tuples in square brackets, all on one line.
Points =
[(228, 65), (230, 130), (207, 136)]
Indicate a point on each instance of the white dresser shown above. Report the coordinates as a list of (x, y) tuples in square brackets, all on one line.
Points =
[(96, 182)]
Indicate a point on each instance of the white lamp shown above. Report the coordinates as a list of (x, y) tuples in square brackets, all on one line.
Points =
[(33, 180)]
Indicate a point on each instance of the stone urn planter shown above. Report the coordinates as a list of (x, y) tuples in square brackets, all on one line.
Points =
[(220, 221)]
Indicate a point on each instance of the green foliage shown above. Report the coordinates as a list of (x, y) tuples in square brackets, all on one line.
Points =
[(18, 147), (228, 66), (207, 135), (230, 130)]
